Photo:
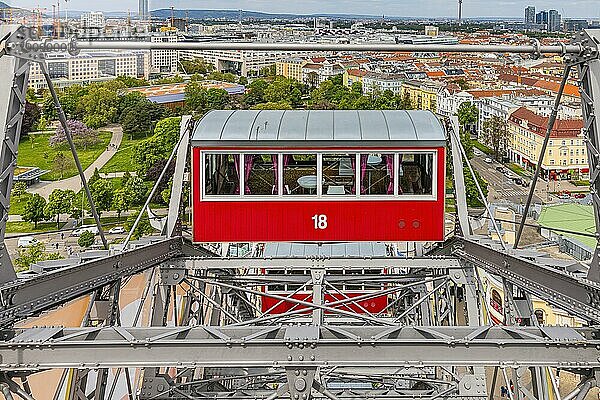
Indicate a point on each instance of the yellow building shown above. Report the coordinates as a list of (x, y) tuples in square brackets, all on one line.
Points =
[(352, 76), (423, 94), (566, 155), (291, 68)]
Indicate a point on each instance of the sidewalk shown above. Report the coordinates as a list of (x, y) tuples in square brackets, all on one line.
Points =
[(74, 183)]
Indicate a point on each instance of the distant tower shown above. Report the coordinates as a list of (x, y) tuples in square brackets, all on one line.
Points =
[(460, 12), (144, 9)]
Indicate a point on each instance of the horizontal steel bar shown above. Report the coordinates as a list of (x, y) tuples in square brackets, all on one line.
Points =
[(298, 346), (22, 299), (306, 47), (578, 296), (345, 263)]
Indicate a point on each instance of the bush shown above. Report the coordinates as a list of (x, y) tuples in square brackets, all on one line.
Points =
[(86, 239)]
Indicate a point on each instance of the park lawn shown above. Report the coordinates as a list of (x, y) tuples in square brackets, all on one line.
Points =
[(41, 154), (27, 227), (17, 204), (122, 159)]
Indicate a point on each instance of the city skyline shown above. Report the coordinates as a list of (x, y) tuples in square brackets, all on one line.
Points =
[(408, 8)]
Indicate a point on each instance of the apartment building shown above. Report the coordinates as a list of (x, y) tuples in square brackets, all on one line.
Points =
[(87, 67), (375, 82), (565, 156), (352, 76), (423, 94), (291, 68), (244, 62), (164, 61), (92, 20)]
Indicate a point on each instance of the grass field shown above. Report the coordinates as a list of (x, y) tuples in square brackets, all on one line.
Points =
[(17, 204), (121, 160), (40, 154), (27, 227)]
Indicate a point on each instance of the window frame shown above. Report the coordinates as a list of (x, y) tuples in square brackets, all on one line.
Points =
[(319, 196)]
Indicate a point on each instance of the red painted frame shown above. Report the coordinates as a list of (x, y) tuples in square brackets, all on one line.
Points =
[(291, 221)]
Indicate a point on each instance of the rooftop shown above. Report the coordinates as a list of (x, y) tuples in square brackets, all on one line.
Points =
[(572, 217), (320, 128)]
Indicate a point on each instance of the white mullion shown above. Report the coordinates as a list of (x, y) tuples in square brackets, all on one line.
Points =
[(319, 175), (395, 172), (242, 173), (280, 184), (357, 183)]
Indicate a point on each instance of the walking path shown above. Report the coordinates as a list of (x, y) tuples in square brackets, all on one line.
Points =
[(74, 183)]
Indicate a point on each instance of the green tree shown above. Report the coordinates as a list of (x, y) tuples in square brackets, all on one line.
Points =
[(59, 202), (143, 227), (95, 177), (196, 66), (467, 118), (136, 123), (243, 80), (122, 200), (61, 163), (18, 189), (284, 89), (130, 82), (32, 115), (255, 92), (158, 147), (129, 101), (86, 239), (406, 103), (102, 193), (99, 106), (271, 70), (280, 105), (137, 189), (473, 199), (26, 256), (495, 135), (34, 209)]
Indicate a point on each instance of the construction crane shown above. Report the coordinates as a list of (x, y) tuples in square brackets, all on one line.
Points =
[(38, 15)]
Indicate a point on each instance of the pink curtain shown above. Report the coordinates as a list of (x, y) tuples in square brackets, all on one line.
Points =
[(353, 163), (236, 162), (363, 171), (389, 161), (399, 169), (248, 163), (275, 159)]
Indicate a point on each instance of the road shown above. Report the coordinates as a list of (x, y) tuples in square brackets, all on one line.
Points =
[(502, 187)]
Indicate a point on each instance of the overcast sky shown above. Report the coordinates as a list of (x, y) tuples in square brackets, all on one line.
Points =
[(425, 8)]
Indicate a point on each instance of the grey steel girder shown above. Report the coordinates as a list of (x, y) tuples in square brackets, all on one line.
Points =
[(13, 86), (22, 299), (578, 296), (346, 263), (298, 346)]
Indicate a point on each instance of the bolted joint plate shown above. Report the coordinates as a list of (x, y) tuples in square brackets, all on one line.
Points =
[(170, 275), (472, 386), (296, 334), (300, 382), (589, 42)]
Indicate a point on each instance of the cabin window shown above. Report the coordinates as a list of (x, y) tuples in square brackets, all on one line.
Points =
[(376, 174), (222, 174), (415, 173), (300, 174), (261, 174), (339, 174)]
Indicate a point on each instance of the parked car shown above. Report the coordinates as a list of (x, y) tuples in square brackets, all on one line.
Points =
[(79, 231), (27, 241), (518, 181), (488, 160), (500, 169), (116, 230), (477, 152), (579, 195), (563, 196)]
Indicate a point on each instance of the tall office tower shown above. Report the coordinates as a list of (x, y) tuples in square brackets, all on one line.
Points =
[(554, 21), (541, 17), (144, 9), (529, 15)]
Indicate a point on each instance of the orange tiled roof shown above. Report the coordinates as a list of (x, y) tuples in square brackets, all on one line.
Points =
[(538, 124)]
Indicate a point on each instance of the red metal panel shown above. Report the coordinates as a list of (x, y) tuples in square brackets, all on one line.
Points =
[(374, 305), (291, 221)]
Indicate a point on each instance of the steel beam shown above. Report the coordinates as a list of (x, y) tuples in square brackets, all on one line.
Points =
[(580, 297), (298, 346), (22, 299), (345, 263)]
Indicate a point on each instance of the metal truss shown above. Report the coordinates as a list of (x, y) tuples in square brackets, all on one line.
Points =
[(219, 341), (299, 347)]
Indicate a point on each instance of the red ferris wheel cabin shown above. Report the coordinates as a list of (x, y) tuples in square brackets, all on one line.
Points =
[(318, 176)]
